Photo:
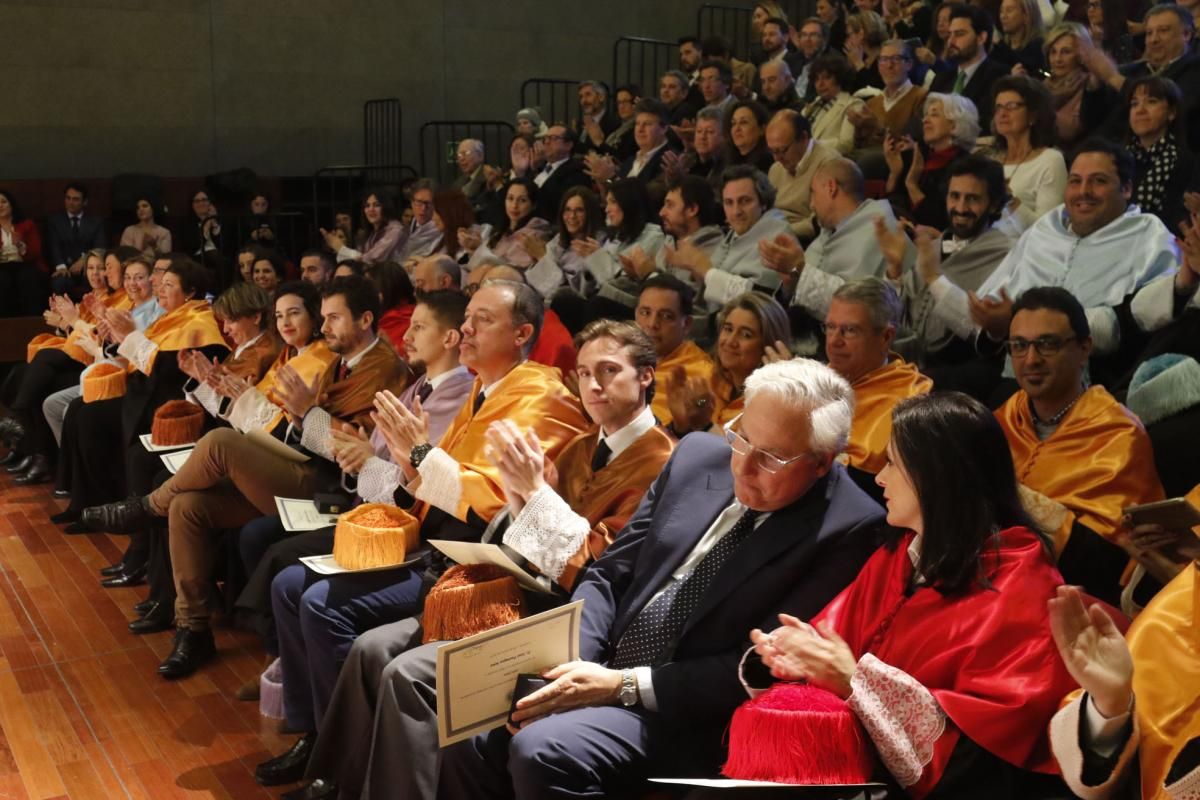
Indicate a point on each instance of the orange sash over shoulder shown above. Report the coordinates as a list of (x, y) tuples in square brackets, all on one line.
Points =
[(1165, 642), (608, 498), (353, 399), (192, 325), (726, 406), (70, 344), (533, 396), (695, 363), (1097, 463), (875, 395), (313, 361)]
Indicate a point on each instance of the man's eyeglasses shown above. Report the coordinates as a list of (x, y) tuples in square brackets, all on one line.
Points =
[(846, 331), (892, 60), (762, 459), (1045, 345)]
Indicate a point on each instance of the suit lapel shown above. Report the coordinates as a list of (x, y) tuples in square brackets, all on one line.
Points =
[(781, 531), (687, 520)]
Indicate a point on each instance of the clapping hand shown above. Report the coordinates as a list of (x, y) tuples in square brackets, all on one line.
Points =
[(687, 256), (993, 316), (1189, 245), (519, 458), (584, 247), (929, 253), (193, 364), (777, 352), (469, 239), (1093, 651), (600, 168), (783, 254), (120, 324), (798, 651), (335, 239), (533, 244), (893, 244), (296, 396), (690, 400), (226, 384), (402, 429), (351, 447), (636, 263)]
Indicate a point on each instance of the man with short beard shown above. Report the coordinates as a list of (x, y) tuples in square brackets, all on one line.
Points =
[(967, 47), (969, 250)]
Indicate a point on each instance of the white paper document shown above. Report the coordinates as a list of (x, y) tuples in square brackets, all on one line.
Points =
[(325, 565), (476, 675), (173, 461), (161, 448), (299, 514), (477, 553)]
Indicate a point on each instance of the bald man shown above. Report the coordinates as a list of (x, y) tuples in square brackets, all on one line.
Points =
[(436, 272)]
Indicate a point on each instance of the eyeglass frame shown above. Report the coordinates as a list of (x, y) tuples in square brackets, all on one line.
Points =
[(732, 437), (1046, 346)]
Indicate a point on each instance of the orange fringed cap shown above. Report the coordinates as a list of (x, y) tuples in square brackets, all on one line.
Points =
[(470, 599), (374, 535), (104, 382), (177, 422), (797, 733)]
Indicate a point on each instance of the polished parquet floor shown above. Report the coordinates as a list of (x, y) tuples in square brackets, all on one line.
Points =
[(83, 713)]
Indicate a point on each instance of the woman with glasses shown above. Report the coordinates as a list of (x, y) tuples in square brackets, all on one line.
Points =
[(917, 191), (1023, 123), (940, 646), (560, 261), (747, 325), (620, 144)]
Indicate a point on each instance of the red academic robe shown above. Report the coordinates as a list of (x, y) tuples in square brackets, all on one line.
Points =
[(986, 656)]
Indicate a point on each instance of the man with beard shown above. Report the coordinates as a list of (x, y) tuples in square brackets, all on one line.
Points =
[(966, 253), (814, 38), (967, 48), (689, 214)]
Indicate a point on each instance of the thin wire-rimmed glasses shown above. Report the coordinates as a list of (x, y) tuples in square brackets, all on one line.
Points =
[(765, 461)]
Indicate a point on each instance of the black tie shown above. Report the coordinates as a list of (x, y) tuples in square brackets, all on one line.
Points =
[(600, 457), (651, 639), (75, 226), (479, 398), (424, 392)]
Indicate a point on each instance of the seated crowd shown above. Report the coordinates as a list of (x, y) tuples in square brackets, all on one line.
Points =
[(825, 379)]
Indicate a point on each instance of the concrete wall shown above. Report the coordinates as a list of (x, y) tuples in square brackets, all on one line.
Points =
[(189, 87)]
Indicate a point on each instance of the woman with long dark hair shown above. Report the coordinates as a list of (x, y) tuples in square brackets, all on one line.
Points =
[(452, 213), (385, 232), (505, 243), (940, 646), (627, 214), (560, 261), (396, 300)]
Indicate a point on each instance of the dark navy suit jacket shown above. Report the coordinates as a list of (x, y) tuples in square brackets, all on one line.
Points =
[(795, 562)]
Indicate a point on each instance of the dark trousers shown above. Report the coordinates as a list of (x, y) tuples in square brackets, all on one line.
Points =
[(24, 290), (319, 617), (92, 462), (50, 371)]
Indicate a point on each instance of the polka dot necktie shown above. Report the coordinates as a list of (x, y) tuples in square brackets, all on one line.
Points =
[(651, 639)]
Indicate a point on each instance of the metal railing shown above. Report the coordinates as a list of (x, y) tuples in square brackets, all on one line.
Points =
[(340, 188), (439, 144), (292, 231), (556, 99), (383, 131), (642, 62), (731, 23)]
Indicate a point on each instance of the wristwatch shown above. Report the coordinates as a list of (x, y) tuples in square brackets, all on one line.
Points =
[(418, 454), (629, 688)]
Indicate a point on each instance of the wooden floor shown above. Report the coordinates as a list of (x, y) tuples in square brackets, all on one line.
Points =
[(83, 713)]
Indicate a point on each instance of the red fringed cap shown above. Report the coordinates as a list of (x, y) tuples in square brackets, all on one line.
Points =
[(797, 733)]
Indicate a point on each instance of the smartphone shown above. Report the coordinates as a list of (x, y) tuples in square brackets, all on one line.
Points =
[(527, 684), (1173, 514)]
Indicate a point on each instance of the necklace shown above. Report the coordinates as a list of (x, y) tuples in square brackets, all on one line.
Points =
[(1057, 418)]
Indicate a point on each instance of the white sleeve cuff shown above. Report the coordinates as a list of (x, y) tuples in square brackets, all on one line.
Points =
[(900, 715), (950, 306), (378, 480), (814, 291), (1103, 735), (1154, 304), (252, 411), (345, 253), (547, 532), (645, 684), (314, 433), (720, 286), (1106, 329), (440, 484), (206, 396), (603, 265), (138, 350), (545, 276)]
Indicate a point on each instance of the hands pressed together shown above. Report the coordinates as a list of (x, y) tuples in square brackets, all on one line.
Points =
[(798, 651)]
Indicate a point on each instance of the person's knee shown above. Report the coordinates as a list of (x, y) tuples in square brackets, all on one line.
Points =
[(540, 756), (188, 513), (287, 587)]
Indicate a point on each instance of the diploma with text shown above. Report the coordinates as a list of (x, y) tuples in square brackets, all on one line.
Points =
[(476, 675)]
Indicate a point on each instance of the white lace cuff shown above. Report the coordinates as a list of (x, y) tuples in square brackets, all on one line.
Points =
[(1186, 788), (900, 715), (440, 484), (207, 397), (138, 350), (547, 532), (720, 286), (814, 291), (252, 411), (314, 435), (378, 480)]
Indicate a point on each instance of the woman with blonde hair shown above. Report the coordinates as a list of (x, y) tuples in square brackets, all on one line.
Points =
[(1081, 101), (1020, 40), (745, 327)]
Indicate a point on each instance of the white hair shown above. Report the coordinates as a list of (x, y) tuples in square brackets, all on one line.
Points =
[(474, 145), (962, 113), (814, 389)]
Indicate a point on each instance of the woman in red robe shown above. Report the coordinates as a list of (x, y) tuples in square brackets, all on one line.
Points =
[(941, 647)]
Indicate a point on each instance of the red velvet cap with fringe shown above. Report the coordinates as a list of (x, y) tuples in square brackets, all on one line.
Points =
[(797, 733)]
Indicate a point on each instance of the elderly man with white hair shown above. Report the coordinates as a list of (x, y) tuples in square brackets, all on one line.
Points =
[(469, 157), (735, 530)]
